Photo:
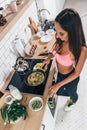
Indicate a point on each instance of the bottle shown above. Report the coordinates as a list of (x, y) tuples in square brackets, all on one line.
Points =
[(19, 46), (15, 92)]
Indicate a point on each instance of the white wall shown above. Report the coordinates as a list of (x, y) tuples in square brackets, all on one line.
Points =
[(7, 56), (53, 6), (59, 5)]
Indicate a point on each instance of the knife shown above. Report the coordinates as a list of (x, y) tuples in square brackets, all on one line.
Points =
[(44, 54)]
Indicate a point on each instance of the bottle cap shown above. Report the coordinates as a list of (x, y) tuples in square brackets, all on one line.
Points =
[(11, 87)]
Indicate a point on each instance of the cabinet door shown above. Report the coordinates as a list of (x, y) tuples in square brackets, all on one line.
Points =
[(48, 120)]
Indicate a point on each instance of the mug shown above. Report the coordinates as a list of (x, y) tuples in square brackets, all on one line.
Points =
[(12, 6)]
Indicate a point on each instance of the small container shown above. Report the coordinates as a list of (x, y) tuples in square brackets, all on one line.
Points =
[(8, 99), (15, 92), (19, 46)]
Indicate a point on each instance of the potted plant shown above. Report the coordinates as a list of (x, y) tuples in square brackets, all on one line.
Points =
[(13, 112)]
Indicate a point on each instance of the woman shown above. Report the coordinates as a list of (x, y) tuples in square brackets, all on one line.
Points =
[(70, 53)]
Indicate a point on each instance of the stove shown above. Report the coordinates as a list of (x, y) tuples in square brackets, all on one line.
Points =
[(18, 81)]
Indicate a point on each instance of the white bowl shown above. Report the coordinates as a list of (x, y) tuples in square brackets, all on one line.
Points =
[(46, 38), (40, 33), (36, 103), (50, 32)]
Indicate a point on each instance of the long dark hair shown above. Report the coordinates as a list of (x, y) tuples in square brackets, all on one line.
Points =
[(70, 21)]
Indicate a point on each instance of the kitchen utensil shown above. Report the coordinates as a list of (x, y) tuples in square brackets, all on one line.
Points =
[(45, 54), (35, 78), (40, 66), (36, 103), (21, 65), (44, 66), (40, 33), (33, 25), (50, 32), (46, 38), (19, 46)]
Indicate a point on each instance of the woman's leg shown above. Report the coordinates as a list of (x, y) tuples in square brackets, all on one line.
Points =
[(72, 90)]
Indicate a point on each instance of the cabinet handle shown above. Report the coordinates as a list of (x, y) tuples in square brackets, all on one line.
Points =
[(43, 126)]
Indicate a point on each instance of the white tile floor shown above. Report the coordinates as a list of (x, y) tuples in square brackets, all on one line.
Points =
[(77, 118)]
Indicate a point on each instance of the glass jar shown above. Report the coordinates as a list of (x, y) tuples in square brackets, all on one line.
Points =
[(15, 92)]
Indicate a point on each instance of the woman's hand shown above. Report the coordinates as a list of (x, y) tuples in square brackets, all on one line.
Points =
[(53, 89), (46, 61)]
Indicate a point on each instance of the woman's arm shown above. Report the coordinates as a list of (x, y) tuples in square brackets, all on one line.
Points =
[(74, 75), (47, 61), (54, 49)]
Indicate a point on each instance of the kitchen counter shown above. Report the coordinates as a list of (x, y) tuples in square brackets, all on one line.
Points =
[(34, 120), (41, 46)]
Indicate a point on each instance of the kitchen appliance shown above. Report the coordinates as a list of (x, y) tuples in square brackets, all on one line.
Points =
[(21, 65), (19, 46), (18, 81)]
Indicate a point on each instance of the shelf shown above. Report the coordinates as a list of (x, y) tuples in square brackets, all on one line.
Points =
[(12, 18)]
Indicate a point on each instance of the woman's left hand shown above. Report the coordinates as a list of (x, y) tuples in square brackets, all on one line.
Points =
[(53, 89)]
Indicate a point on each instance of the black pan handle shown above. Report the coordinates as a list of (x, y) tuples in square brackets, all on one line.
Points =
[(22, 58)]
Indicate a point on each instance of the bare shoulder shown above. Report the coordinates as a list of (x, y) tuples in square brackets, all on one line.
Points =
[(84, 50)]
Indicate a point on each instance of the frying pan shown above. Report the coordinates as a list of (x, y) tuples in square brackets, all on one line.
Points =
[(30, 73)]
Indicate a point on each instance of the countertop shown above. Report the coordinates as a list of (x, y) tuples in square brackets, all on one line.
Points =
[(34, 120)]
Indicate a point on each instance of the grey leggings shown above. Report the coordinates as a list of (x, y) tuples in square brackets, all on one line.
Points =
[(69, 89)]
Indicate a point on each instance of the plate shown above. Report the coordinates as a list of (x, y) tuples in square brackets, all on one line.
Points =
[(46, 38), (40, 33), (36, 103), (39, 66), (50, 32)]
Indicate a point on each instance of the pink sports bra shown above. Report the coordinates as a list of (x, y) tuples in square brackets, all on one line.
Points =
[(64, 60)]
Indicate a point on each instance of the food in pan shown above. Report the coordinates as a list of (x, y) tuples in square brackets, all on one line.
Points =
[(35, 78), (40, 67)]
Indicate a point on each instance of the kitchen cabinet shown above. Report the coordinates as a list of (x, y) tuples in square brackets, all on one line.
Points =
[(48, 120), (13, 18), (50, 116)]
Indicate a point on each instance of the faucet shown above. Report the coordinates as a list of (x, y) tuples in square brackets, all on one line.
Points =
[(41, 20), (44, 10)]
